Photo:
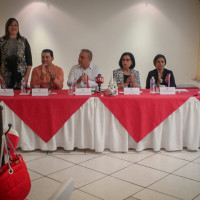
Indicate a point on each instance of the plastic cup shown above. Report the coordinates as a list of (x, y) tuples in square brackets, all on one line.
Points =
[(70, 90)]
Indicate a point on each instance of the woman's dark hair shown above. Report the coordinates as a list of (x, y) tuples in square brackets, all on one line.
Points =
[(131, 57), (157, 57), (8, 23)]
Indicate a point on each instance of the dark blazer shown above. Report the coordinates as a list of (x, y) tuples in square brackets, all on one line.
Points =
[(154, 73)]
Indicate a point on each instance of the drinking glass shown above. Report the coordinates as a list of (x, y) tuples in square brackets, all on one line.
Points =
[(71, 87), (157, 88)]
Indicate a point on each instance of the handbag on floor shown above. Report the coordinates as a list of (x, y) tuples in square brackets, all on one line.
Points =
[(15, 181)]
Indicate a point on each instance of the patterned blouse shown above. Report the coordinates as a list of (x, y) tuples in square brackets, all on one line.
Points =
[(118, 76), (15, 56)]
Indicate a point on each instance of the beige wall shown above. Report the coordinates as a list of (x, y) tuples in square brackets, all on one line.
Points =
[(109, 28)]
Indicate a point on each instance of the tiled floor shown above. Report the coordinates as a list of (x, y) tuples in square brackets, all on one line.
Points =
[(145, 175)]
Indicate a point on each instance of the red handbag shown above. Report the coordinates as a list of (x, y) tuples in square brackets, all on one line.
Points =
[(15, 181)]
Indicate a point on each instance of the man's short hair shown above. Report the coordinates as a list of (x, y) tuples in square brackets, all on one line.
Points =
[(88, 52), (48, 51)]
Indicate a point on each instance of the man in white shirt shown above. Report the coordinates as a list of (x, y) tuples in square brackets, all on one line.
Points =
[(84, 73)]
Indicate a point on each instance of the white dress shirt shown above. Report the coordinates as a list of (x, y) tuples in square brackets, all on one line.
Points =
[(76, 71)]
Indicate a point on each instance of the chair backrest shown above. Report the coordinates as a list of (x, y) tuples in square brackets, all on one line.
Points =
[(64, 191)]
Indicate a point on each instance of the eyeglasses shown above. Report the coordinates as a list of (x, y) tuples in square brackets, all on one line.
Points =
[(126, 60)]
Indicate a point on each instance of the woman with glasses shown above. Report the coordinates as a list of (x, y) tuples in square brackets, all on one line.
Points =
[(15, 56), (126, 76)]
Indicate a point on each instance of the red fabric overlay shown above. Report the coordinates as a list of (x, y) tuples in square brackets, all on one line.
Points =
[(140, 114), (45, 115)]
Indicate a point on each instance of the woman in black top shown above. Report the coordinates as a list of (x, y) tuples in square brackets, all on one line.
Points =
[(160, 73), (15, 56)]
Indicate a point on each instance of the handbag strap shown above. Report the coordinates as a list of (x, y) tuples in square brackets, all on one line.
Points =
[(2, 147), (7, 153), (8, 140)]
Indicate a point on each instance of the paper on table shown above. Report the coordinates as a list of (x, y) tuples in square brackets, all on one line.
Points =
[(27, 93), (83, 91), (181, 90), (6, 92), (40, 92), (122, 92), (131, 91)]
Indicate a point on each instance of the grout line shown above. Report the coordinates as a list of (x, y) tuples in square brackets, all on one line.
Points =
[(196, 196), (132, 161), (76, 163), (181, 158), (161, 193), (90, 194), (111, 174), (92, 182)]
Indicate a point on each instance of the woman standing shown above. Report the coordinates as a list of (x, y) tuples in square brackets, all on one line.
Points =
[(126, 76), (15, 56), (160, 74)]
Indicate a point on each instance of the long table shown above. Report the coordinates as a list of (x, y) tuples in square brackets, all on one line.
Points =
[(100, 122)]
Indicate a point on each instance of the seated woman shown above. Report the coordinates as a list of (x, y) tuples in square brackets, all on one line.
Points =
[(160, 73), (126, 76)]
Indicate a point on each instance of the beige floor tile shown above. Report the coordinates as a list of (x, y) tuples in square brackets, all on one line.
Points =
[(42, 189), (81, 175), (139, 175), (79, 195), (110, 188), (48, 165), (192, 171), (106, 164), (197, 160), (30, 157), (133, 156), (94, 184), (77, 158), (184, 154), (178, 187), (152, 195), (197, 198), (61, 151), (131, 198), (163, 163), (34, 175)]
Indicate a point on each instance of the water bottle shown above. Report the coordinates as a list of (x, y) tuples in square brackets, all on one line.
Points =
[(152, 85), (23, 86)]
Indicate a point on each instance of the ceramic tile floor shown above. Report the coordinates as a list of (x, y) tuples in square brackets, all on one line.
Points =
[(145, 175)]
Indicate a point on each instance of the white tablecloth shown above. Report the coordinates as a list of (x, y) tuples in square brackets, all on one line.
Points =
[(93, 126)]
